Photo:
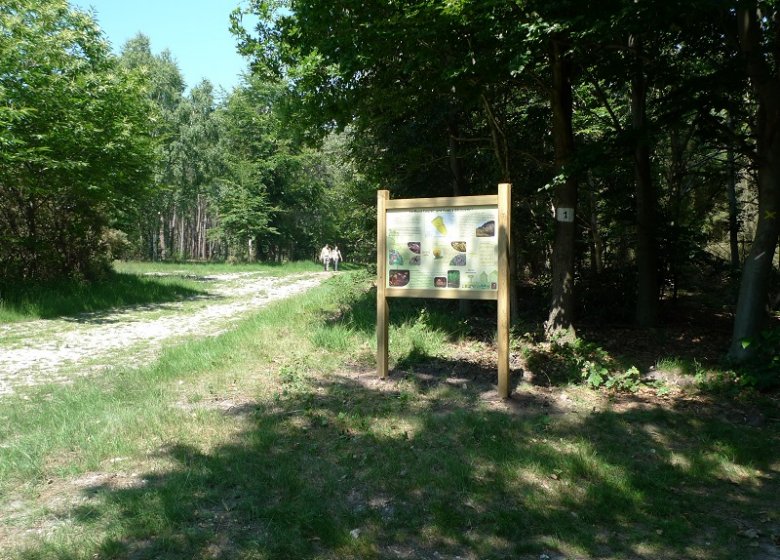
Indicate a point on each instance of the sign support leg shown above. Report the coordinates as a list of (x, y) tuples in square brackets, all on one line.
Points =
[(504, 247), (382, 310)]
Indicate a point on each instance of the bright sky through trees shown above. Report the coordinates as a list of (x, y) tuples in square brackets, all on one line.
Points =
[(195, 31)]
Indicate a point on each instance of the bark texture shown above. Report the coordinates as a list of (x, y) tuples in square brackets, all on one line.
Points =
[(751, 309), (560, 323), (646, 197)]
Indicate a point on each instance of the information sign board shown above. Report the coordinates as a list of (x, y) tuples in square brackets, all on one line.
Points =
[(449, 248), (442, 248)]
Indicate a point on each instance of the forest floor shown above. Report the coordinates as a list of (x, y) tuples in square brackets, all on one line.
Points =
[(58, 350), (275, 438)]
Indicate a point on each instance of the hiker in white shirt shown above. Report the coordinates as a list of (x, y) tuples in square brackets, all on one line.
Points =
[(325, 257), (335, 257)]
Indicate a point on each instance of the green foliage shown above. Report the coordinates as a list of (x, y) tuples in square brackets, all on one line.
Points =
[(271, 190), (596, 375), (443, 98), (233, 182), (240, 194), (590, 358), (661, 388), (589, 363), (762, 369), (624, 381), (593, 374), (597, 369), (116, 244), (75, 151)]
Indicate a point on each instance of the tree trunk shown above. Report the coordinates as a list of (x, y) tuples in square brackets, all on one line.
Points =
[(676, 178), (499, 141), (733, 209), (754, 287), (201, 228), (596, 242), (196, 249), (751, 312), (458, 186), (182, 226), (560, 323), (162, 237), (646, 198), (456, 162)]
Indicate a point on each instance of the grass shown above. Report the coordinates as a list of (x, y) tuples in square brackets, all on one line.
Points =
[(46, 301), (275, 440), (201, 269), (130, 283)]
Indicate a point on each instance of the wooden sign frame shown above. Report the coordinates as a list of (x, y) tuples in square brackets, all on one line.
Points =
[(503, 202)]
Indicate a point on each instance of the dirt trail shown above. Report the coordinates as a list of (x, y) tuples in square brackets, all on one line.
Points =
[(58, 350)]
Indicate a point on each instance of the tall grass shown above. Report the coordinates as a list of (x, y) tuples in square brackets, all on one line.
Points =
[(205, 268), (24, 302), (130, 283)]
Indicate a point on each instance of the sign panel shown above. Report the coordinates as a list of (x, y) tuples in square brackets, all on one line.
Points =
[(442, 248)]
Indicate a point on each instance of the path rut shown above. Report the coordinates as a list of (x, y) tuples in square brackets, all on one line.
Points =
[(58, 350)]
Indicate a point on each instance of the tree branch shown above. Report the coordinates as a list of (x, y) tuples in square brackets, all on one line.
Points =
[(605, 102), (499, 139)]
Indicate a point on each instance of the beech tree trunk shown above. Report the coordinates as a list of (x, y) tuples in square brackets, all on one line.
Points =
[(163, 253), (596, 243), (456, 162), (733, 209), (560, 322), (676, 178), (458, 185), (646, 198), (751, 309)]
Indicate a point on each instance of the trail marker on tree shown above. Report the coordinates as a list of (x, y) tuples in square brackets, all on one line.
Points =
[(446, 248)]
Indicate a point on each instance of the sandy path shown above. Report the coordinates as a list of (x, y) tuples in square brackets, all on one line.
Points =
[(57, 350)]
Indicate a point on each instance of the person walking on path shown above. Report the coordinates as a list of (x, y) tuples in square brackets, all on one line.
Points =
[(325, 257), (335, 257)]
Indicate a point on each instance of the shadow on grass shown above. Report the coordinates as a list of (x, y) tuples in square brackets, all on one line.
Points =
[(422, 467), (360, 470), (686, 349), (439, 369), (73, 298), (440, 315), (429, 373)]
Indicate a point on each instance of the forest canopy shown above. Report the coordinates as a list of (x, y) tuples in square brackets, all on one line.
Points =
[(657, 121)]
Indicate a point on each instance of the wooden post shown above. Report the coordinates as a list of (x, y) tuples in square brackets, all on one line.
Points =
[(504, 247), (382, 312)]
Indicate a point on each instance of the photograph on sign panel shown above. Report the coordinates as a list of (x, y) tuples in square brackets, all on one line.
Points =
[(398, 278), (488, 229)]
